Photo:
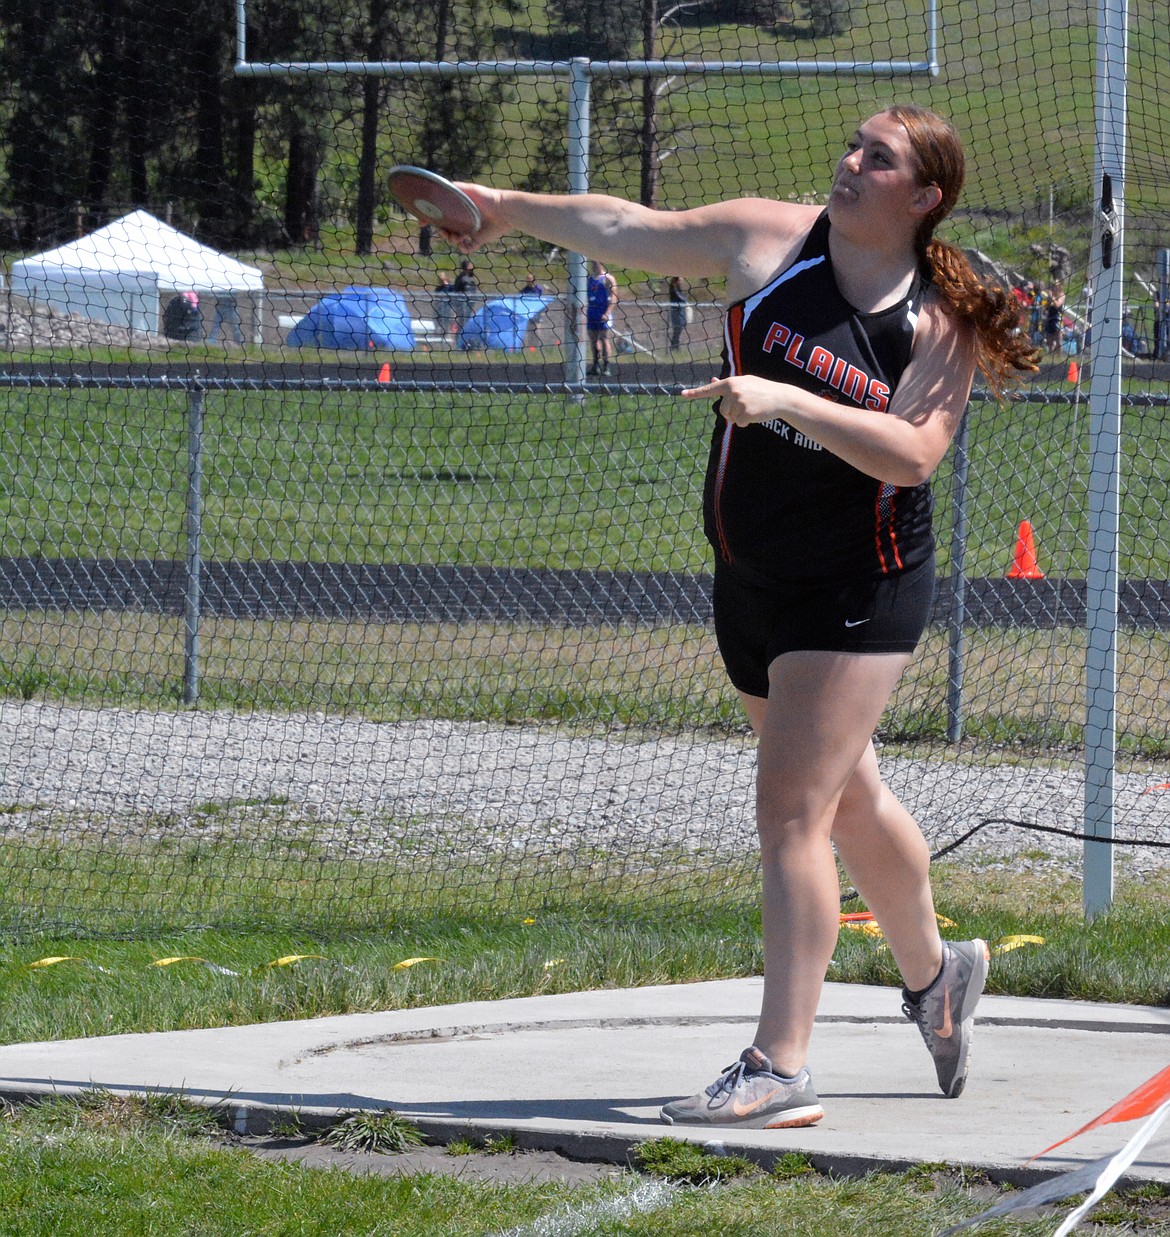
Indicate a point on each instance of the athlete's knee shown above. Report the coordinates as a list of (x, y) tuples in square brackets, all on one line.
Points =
[(791, 809)]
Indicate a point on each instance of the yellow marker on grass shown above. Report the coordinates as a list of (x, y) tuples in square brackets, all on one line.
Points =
[(1006, 944), (211, 966)]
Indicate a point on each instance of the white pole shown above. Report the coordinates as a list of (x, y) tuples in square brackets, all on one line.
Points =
[(580, 103), (193, 602), (1105, 458), (241, 32)]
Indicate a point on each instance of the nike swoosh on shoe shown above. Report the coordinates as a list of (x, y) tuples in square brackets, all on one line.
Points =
[(948, 1028), (745, 1110)]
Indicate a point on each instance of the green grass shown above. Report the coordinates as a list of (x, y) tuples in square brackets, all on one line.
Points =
[(103, 1165), (125, 1166), (664, 678), (474, 951), (523, 482), (399, 478), (476, 478), (63, 1177), (379, 1133), (678, 1160), (1024, 689), (517, 482)]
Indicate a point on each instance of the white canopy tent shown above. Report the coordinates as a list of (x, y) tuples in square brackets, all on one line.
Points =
[(121, 273)]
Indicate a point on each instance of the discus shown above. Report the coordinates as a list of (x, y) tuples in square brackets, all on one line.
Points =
[(433, 199)]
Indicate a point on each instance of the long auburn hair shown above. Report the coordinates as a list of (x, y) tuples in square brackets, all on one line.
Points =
[(1005, 352)]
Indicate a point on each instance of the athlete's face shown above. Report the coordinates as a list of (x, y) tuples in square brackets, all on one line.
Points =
[(877, 176)]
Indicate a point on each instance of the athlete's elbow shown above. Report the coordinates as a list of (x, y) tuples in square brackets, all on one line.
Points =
[(925, 468), (907, 472), (914, 476), (915, 460)]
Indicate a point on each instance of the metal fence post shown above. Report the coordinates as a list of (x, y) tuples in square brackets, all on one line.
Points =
[(1162, 307), (1103, 575), (191, 597), (580, 103)]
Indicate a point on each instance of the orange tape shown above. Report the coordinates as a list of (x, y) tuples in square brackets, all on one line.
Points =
[(1140, 1102)]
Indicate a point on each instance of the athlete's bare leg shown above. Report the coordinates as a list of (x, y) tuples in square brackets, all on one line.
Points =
[(886, 857), (815, 733)]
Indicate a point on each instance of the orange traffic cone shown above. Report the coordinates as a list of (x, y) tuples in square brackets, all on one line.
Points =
[(1074, 373), (1024, 565), (384, 373)]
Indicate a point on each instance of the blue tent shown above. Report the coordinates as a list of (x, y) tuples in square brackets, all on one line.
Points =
[(503, 322), (362, 318)]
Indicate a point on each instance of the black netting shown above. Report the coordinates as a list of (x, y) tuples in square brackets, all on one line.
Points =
[(330, 591)]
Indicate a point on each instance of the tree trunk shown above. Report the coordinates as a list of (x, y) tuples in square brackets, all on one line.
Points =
[(243, 108), (300, 215), (210, 169), (367, 197), (648, 143), (101, 123), (367, 167), (136, 112), (442, 116)]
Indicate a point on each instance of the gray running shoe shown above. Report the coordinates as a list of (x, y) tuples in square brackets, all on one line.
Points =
[(750, 1095), (946, 1013)]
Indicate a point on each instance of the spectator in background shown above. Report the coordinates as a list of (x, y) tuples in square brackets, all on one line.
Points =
[(444, 308), (464, 293), (227, 316), (530, 287), (1024, 295), (425, 235), (181, 317), (600, 298), (1054, 317), (680, 311), (1036, 315)]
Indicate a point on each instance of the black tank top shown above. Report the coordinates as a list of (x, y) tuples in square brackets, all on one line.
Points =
[(778, 507)]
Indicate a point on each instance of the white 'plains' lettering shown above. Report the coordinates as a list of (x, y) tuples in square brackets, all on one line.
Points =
[(853, 383)]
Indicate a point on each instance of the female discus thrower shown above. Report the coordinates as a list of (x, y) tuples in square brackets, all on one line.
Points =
[(850, 344)]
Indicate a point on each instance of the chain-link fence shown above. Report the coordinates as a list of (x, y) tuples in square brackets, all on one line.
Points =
[(323, 595)]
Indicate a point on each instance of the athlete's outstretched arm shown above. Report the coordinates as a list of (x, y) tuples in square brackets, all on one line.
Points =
[(737, 240), (904, 444)]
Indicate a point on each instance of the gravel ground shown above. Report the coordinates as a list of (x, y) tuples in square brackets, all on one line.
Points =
[(21, 329), (359, 786)]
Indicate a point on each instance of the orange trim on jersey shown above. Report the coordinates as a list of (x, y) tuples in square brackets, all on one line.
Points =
[(735, 336), (884, 536)]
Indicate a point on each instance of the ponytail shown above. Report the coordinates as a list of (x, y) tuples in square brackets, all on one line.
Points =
[(1005, 352)]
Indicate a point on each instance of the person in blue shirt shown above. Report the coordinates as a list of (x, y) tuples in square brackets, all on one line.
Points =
[(600, 298)]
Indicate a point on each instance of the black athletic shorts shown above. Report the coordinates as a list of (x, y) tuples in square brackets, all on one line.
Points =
[(754, 625)]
